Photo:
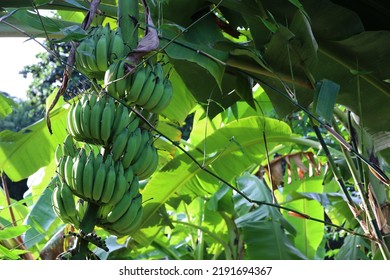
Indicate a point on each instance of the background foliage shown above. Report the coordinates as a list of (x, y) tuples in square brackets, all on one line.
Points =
[(242, 173)]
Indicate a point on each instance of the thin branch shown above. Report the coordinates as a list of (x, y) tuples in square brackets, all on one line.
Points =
[(373, 168)]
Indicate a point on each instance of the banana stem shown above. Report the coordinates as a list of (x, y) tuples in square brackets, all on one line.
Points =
[(87, 225), (128, 16)]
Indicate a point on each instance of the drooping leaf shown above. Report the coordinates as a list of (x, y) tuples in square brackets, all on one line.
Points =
[(264, 229), (41, 217), (71, 33), (11, 232), (7, 254), (309, 233), (354, 248), (267, 241), (23, 153), (183, 176), (39, 22), (194, 61)]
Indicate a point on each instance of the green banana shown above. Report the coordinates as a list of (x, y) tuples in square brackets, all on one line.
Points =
[(61, 168), (78, 172), (119, 108), (108, 161), (97, 162), (88, 176), (95, 120), (119, 144), (133, 122), (85, 118), (132, 146), (81, 207), (158, 90), (77, 120), (143, 162), (119, 208), (57, 208), (133, 226), (151, 167), (68, 171), (106, 123), (68, 200), (69, 146), (126, 119), (148, 87), (137, 82), (156, 95), (117, 47), (109, 185), (58, 205), (121, 186), (98, 183), (92, 99), (103, 211), (129, 216), (102, 53), (91, 55), (129, 175), (134, 187), (110, 78), (69, 120), (81, 61), (146, 137), (121, 83), (58, 153), (166, 98)]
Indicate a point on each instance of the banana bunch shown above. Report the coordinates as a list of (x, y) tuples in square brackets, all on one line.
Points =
[(135, 150), (65, 205), (94, 179), (97, 51), (147, 87), (98, 120), (125, 216)]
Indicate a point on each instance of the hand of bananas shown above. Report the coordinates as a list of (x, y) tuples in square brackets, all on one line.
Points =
[(147, 87), (97, 51)]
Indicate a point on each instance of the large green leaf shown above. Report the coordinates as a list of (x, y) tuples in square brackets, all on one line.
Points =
[(354, 248), (182, 99), (23, 153), (309, 233), (182, 176), (348, 55), (40, 218), (263, 229)]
